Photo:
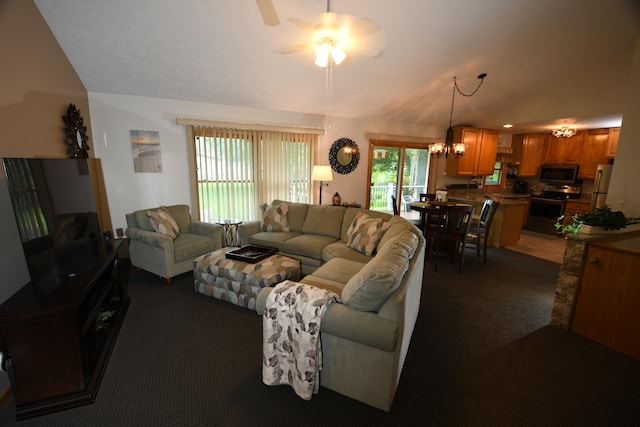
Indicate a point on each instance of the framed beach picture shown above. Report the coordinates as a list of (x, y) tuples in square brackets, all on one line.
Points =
[(145, 148)]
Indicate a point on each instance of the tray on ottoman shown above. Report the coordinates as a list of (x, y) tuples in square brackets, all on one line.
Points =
[(250, 253)]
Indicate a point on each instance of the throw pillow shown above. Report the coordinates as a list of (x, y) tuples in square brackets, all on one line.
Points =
[(365, 232), (274, 218), (163, 222)]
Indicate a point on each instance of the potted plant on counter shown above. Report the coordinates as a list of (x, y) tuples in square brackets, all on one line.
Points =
[(601, 221)]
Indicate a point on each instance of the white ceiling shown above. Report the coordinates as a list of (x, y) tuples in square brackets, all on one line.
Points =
[(221, 52)]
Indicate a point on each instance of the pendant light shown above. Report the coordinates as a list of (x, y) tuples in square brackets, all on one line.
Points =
[(447, 148)]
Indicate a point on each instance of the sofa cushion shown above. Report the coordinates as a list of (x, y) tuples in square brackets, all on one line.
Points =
[(365, 233), (398, 225), (272, 239), (340, 249), (163, 222), (187, 246), (324, 220), (321, 282), (296, 215), (139, 219), (338, 270), (182, 216), (274, 218), (372, 285), (309, 245)]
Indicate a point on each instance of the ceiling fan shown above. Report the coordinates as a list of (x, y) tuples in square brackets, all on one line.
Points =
[(268, 12), (336, 36)]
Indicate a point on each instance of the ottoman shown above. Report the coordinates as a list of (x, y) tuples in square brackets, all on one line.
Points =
[(239, 282)]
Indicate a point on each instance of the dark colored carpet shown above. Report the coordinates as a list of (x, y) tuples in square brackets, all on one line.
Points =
[(481, 354)]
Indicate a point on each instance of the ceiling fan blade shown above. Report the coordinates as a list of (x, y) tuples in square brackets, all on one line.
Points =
[(291, 49), (368, 51), (300, 23), (364, 26), (269, 15)]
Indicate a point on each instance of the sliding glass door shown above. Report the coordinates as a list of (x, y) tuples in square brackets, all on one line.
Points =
[(399, 170)]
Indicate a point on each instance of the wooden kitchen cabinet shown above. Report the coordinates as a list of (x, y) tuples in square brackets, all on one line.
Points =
[(506, 225), (594, 153), (560, 151), (525, 212), (480, 152), (606, 309), (487, 152), (576, 207), (528, 150), (612, 147)]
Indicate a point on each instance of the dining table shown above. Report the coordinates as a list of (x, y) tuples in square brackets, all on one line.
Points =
[(431, 207), (429, 211)]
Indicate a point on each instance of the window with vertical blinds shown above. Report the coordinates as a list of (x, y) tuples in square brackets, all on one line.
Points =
[(239, 169), (30, 217)]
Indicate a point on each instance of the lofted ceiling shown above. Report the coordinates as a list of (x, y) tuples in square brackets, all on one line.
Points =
[(221, 52)]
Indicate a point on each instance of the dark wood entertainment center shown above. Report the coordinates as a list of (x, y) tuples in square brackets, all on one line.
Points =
[(57, 356)]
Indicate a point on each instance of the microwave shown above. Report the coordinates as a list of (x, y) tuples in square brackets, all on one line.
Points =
[(559, 174)]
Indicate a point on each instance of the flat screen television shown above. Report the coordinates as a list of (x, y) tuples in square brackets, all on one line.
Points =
[(55, 212)]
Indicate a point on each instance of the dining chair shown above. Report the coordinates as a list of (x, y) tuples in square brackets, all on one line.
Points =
[(424, 197), (479, 233), (451, 232), (429, 223), (394, 202)]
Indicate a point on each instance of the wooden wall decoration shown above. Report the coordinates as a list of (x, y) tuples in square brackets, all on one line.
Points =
[(75, 133)]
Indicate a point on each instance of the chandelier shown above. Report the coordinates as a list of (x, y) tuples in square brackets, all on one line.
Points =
[(564, 132), (448, 147)]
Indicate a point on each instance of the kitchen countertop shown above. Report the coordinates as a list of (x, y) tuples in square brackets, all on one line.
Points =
[(503, 200), (508, 219), (503, 197)]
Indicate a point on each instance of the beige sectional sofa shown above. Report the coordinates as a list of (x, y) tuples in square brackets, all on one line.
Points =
[(366, 336)]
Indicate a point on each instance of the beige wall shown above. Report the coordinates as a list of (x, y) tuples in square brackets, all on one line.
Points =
[(38, 84), (623, 190)]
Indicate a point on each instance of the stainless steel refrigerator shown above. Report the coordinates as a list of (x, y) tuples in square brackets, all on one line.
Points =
[(601, 186)]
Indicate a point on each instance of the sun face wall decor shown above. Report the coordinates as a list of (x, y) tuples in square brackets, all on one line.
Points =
[(75, 133), (344, 156)]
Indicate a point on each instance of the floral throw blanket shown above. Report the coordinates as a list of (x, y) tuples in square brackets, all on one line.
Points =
[(292, 352)]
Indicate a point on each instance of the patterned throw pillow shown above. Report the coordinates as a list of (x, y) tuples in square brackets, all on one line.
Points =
[(163, 222), (365, 232), (274, 218)]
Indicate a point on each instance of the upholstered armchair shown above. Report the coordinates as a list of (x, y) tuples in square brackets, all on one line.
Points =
[(166, 241)]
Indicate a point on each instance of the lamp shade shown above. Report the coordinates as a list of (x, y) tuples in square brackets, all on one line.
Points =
[(322, 173)]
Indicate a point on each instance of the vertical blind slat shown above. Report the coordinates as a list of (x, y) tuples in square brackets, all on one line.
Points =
[(240, 169)]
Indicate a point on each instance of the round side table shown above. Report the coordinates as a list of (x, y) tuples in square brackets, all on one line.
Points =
[(231, 237)]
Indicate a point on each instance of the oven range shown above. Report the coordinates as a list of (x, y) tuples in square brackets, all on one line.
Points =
[(546, 208)]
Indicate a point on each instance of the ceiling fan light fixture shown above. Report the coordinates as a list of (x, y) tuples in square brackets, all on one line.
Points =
[(328, 50), (338, 55), (322, 55)]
